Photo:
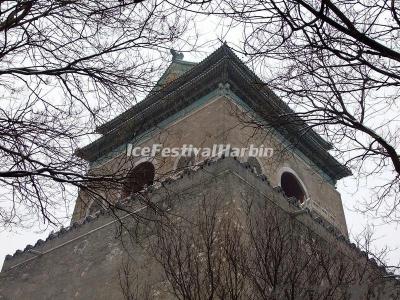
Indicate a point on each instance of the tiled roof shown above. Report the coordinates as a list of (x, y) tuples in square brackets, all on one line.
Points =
[(222, 66)]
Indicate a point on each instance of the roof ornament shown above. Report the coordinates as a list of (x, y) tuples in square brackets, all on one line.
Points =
[(176, 55), (224, 89)]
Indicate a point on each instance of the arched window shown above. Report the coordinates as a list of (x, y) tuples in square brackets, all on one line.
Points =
[(292, 187), (186, 161), (138, 178), (255, 165)]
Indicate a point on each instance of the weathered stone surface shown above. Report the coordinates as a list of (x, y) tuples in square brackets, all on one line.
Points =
[(84, 262)]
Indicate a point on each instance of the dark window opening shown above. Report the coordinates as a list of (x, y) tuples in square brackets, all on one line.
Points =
[(292, 187), (255, 165), (142, 175)]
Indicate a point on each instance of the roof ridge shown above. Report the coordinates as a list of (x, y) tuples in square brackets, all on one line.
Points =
[(224, 49)]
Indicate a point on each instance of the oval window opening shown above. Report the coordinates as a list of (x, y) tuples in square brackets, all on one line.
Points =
[(139, 177), (292, 187)]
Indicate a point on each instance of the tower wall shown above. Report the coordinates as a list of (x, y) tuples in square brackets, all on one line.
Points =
[(223, 120), (85, 260)]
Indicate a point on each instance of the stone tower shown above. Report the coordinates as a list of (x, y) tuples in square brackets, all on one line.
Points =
[(215, 102), (208, 104)]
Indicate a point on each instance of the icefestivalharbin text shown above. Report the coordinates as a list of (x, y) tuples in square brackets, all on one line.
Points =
[(190, 150)]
